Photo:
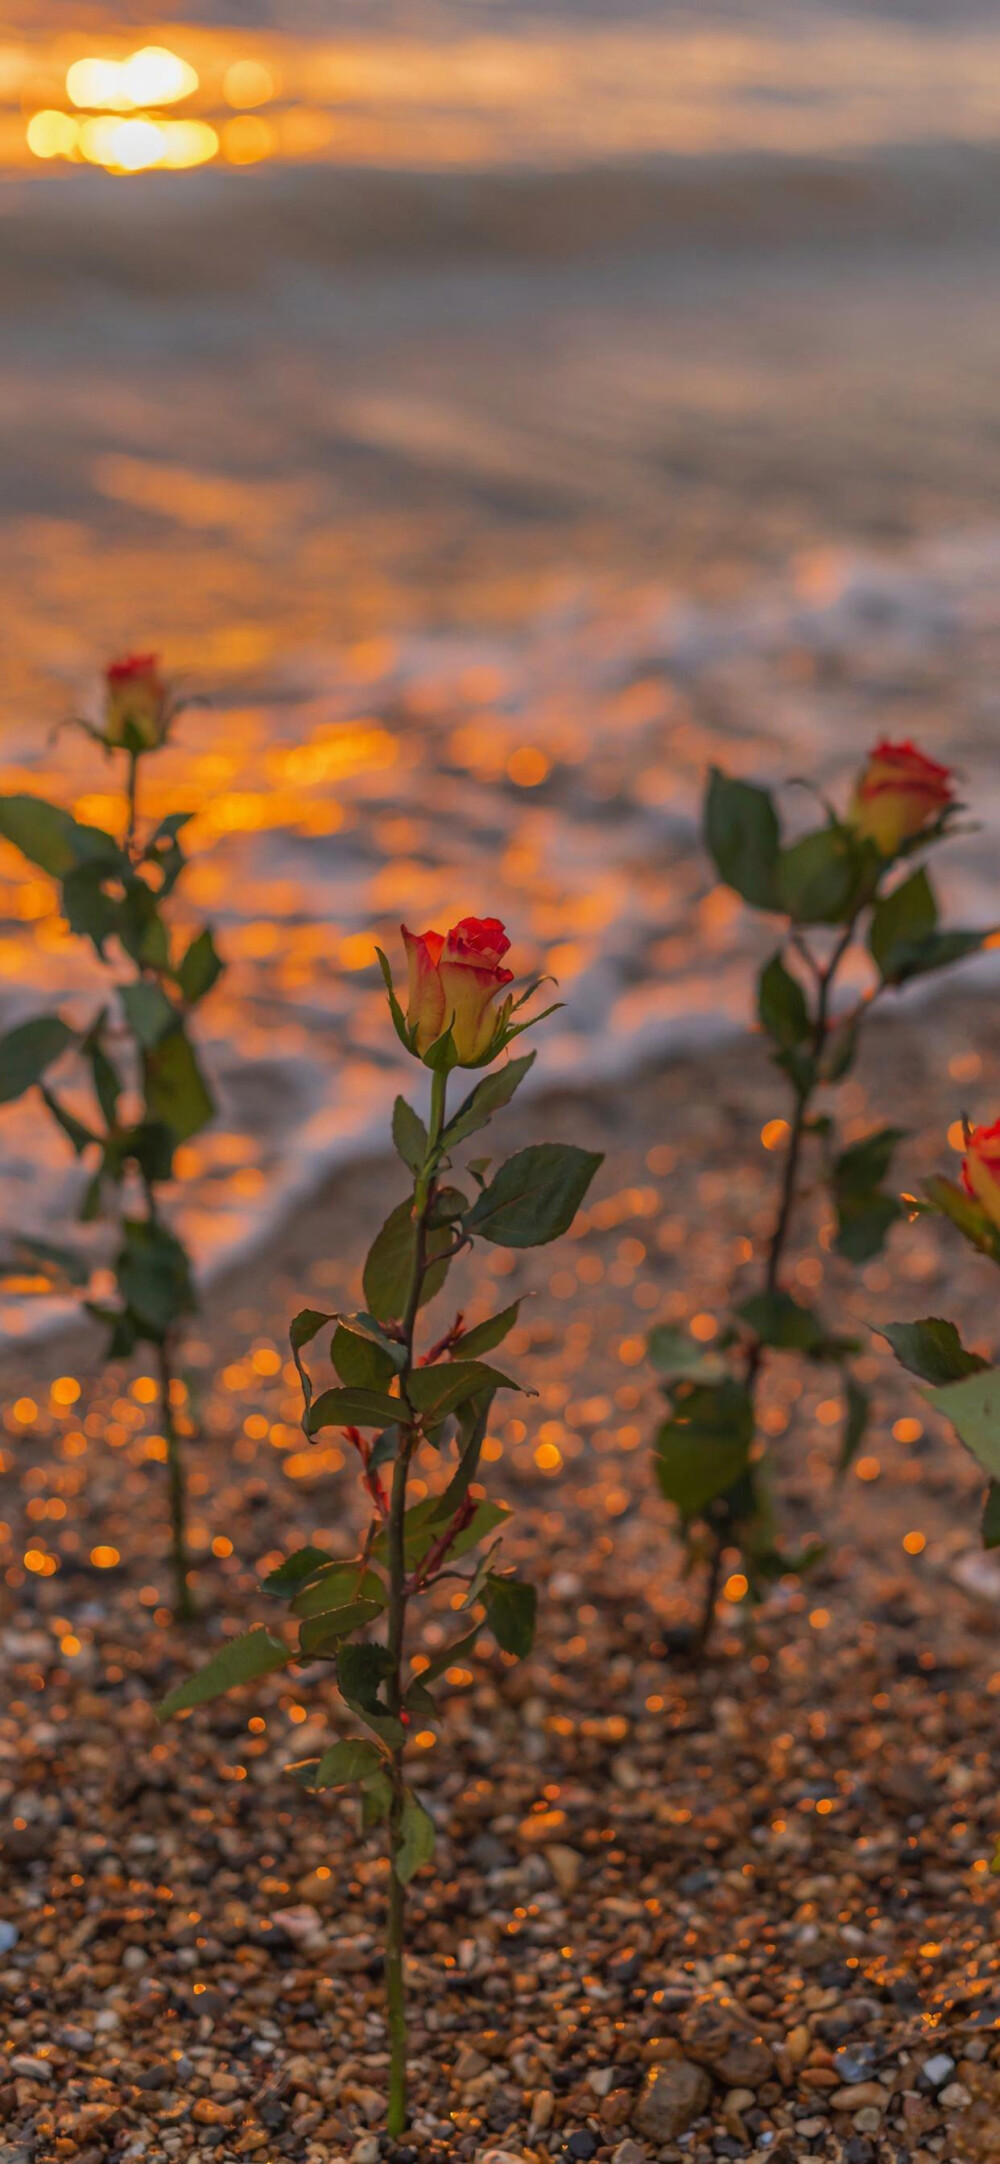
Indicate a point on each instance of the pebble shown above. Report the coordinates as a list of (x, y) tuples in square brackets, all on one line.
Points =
[(628, 2152), (938, 2070), (955, 2097), (8, 1936), (365, 2151), (857, 2095), (565, 1865), (673, 2096)]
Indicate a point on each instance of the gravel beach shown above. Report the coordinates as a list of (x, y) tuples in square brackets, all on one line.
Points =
[(741, 1913)]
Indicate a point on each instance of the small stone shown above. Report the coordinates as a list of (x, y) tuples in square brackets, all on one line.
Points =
[(30, 2069), (628, 2152), (739, 2100), (854, 2062), (955, 2097), (867, 2120), (673, 2096), (601, 2079), (798, 2043), (857, 2095), (937, 2070), (811, 2129), (8, 1936), (748, 2063), (365, 2151), (581, 2145), (469, 2064), (542, 2107), (565, 1865)]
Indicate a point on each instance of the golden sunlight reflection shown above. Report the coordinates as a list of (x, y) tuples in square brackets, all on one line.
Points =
[(153, 76), (123, 146), (584, 91)]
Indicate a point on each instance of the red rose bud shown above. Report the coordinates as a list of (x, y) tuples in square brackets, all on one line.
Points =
[(455, 981), (136, 703), (981, 1169), (897, 795)]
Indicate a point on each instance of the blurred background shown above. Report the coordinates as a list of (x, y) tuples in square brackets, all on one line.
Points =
[(495, 413)]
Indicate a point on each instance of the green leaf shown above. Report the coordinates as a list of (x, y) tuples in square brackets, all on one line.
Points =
[(967, 1215), (781, 1005), (176, 1090), (704, 1447), (489, 1096), (148, 1012), (200, 968), (409, 1135), (416, 1839), (154, 1275), (856, 1419), (677, 1355), (511, 1607), (350, 1408), (106, 1078), (900, 922), (932, 1349), (362, 1669), (940, 950), (353, 1760), (991, 1516), (472, 1423), (743, 838), (52, 838), (376, 1800), (778, 1320), (360, 1362), (821, 877), (27, 1051), (319, 1631), (88, 908), (535, 1196), (863, 1221), (485, 1335), (423, 1525), (306, 1325), (438, 1390), (973, 1407), (295, 1572), (241, 1661), (449, 1657), (398, 1017), (335, 1586), (389, 1268), (151, 1144), (74, 1128), (865, 1164)]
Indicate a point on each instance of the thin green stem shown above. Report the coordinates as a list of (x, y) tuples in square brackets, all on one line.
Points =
[(824, 976), (180, 1557), (423, 1199), (132, 801)]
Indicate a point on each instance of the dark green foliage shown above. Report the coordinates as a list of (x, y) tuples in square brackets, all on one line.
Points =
[(932, 1349), (535, 1196), (743, 838), (28, 1051)]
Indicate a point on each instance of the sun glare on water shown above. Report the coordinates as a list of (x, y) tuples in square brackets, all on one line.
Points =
[(153, 76), (117, 123)]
